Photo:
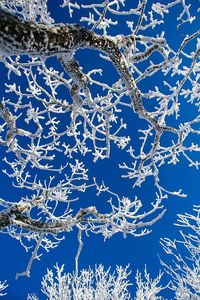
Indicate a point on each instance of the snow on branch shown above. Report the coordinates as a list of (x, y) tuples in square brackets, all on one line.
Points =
[(185, 257), (56, 112), (89, 284), (3, 286), (32, 10), (99, 283)]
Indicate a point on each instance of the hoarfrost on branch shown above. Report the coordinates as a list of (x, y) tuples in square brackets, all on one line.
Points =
[(101, 284), (55, 109)]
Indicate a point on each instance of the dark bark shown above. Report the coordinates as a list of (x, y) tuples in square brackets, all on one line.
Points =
[(18, 36), (14, 216), (7, 215), (21, 37), (5, 220)]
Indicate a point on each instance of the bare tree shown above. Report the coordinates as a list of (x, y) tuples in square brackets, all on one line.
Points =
[(40, 123)]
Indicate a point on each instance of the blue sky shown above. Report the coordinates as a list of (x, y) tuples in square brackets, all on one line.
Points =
[(137, 252)]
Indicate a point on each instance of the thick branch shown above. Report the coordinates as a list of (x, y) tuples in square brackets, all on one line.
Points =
[(21, 37), (16, 216), (118, 221)]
